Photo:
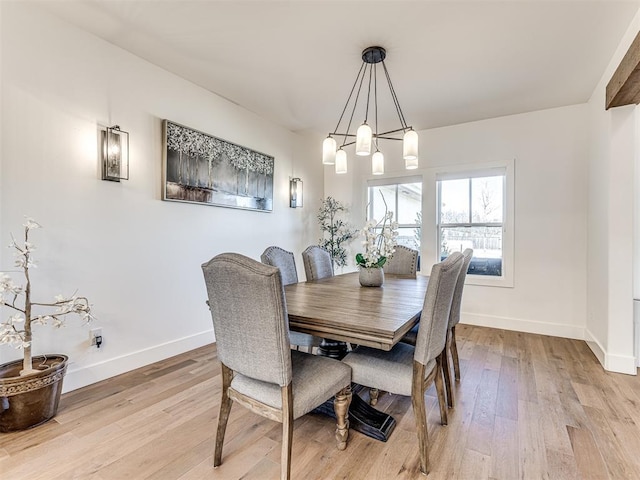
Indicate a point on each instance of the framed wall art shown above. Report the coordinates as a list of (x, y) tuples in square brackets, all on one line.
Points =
[(201, 168)]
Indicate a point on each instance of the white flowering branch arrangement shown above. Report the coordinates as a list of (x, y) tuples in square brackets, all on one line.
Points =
[(17, 329), (380, 240)]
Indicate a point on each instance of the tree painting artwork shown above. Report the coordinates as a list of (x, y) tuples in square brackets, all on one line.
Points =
[(200, 168)]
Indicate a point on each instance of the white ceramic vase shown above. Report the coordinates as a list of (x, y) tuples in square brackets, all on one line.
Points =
[(371, 277)]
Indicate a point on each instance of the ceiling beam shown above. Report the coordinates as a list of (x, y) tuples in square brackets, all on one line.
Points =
[(624, 86)]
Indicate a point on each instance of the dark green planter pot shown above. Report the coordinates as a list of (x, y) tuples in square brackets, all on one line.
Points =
[(32, 399)]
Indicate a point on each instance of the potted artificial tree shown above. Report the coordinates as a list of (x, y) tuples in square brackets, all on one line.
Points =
[(30, 388), (336, 233)]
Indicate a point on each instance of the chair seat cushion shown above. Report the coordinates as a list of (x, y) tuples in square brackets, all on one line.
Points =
[(315, 380), (390, 371)]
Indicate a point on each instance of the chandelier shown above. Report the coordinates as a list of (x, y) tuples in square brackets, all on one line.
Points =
[(366, 137)]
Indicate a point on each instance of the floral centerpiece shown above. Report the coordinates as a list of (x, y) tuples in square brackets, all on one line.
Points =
[(17, 329), (380, 240)]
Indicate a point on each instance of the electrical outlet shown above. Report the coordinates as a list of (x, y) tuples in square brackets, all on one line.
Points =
[(94, 334)]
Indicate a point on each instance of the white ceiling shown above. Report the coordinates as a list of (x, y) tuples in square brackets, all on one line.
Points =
[(294, 62)]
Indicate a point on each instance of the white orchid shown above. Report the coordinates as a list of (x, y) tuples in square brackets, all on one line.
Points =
[(380, 240)]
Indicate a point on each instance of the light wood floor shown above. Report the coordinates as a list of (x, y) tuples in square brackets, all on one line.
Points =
[(528, 406)]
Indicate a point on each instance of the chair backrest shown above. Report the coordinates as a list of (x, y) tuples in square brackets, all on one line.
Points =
[(403, 262), (456, 303), (284, 260), (434, 321), (317, 263), (249, 315)]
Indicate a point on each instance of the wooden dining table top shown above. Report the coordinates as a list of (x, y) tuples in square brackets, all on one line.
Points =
[(340, 309)]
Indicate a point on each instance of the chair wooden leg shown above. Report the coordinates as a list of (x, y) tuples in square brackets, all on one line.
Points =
[(446, 370), (420, 412), (341, 404), (440, 390), (287, 431), (223, 417), (373, 396), (454, 354)]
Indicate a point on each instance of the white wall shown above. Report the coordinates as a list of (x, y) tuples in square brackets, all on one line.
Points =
[(135, 256), (549, 148), (614, 147)]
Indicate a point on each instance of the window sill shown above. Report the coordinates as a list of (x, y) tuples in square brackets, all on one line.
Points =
[(488, 281)]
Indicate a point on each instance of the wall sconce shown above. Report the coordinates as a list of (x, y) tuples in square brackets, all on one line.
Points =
[(115, 154), (295, 194)]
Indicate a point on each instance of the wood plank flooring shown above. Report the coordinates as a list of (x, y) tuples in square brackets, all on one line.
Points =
[(528, 407)]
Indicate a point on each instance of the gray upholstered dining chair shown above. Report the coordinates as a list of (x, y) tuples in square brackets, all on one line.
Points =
[(285, 261), (404, 261), (409, 370), (454, 319), (317, 263), (259, 369)]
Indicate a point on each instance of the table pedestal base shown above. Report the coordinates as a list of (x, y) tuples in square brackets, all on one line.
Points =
[(363, 417), (333, 349)]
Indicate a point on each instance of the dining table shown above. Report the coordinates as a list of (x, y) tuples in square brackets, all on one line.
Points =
[(339, 309)]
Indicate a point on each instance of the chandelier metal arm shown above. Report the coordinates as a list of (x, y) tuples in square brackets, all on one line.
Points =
[(349, 99), (355, 103), (366, 113), (378, 135), (395, 97), (375, 85)]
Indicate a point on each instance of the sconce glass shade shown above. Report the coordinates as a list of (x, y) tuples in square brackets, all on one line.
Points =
[(115, 154), (295, 195), (410, 148), (363, 140), (377, 163), (329, 151), (341, 161)]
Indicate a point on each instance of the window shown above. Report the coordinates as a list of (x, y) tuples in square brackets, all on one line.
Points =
[(405, 201), (472, 213)]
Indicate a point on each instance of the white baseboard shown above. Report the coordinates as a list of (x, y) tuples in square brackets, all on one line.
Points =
[(613, 363), (88, 374), (595, 346), (528, 326), (621, 364)]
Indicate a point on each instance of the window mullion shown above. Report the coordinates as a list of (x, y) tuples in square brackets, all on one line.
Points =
[(470, 201)]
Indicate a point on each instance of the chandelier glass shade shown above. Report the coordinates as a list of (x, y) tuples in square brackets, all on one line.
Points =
[(366, 138), (341, 161)]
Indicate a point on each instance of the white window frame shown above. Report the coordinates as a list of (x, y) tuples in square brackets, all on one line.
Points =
[(381, 182), (474, 171)]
